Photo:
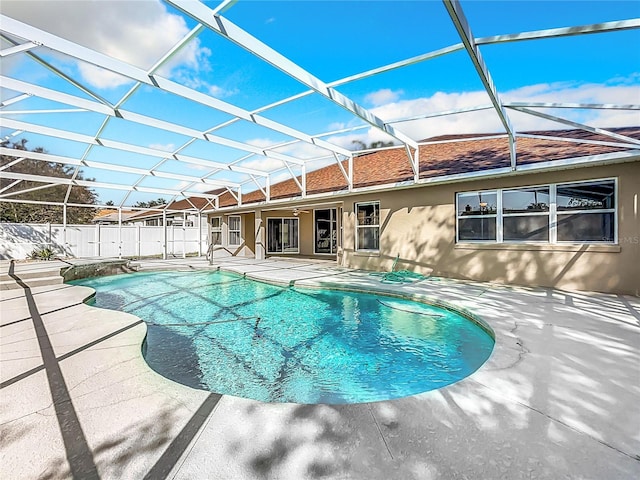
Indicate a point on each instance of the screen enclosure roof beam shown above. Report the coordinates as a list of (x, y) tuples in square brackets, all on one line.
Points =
[(462, 26), (92, 184), (203, 14), (22, 30)]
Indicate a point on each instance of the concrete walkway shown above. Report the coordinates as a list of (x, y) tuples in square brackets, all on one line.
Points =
[(559, 397)]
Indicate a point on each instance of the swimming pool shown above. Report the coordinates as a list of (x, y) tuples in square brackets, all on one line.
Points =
[(231, 335)]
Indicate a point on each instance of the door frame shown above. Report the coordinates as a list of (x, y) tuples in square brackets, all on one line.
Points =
[(333, 218), (268, 252)]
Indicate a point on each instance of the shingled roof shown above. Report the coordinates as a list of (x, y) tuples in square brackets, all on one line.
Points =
[(453, 154), (184, 204)]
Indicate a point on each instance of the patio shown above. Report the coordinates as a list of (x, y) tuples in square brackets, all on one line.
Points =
[(558, 398)]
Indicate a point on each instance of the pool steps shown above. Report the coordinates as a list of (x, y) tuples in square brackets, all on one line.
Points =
[(56, 272), (31, 279), (31, 274)]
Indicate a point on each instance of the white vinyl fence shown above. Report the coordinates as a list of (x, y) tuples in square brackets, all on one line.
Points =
[(18, 240)]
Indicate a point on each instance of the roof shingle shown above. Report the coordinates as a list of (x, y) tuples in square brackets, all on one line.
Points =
[(456, 154)]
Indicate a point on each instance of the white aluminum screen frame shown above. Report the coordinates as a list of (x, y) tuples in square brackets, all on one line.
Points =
[(24, 39)]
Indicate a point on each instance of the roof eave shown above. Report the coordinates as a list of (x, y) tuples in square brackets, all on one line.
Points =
[(538, 167)]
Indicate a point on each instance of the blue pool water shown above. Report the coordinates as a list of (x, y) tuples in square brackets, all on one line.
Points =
[(310, 346)]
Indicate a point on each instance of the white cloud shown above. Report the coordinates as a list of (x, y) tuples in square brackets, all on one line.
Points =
[(336, 126), (181, 185), (194, 166), (261, 142), (615, 91), (198, 187), (631, 79), (165, 147), (280, 177), (382, 96), (202, 187), (623, 91), (100, 78), (300, 150), (140, 37), (220, 92), (303, 150), (263, 163)]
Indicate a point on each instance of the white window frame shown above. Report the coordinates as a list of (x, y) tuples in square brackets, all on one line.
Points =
[(488, 215), (358, 204), (217, 229), (238, 230), (553, 214), (613, 210), (290, 252), (502, 216)]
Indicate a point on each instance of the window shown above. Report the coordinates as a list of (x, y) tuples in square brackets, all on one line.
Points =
[(216, 231), (586, 212), (235, 232), (477, 216), (568, 212), (282, 235), (525, 214), (368, 226)]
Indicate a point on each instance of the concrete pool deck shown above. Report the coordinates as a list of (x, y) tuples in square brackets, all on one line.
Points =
[(559, 397)]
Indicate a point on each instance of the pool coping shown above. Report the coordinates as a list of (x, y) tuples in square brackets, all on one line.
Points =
[(515, 353)]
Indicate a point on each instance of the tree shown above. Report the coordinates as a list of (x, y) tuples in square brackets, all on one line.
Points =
[(151, 203), (372, 145), (42, 213)]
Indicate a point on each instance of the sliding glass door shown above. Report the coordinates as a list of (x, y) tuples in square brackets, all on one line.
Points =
[(326, 227), (282, 235)]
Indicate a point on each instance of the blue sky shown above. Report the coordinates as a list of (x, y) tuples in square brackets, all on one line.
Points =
[(331, 40)]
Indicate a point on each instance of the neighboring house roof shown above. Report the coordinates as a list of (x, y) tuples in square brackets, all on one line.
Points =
[(197, 202), (184, 204), (145, 214), (455, 155), (111, 216)]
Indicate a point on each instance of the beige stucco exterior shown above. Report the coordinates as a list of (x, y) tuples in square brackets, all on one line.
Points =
[(419, 225)]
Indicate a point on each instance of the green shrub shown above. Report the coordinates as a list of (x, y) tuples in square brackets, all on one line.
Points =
[(42, 254)]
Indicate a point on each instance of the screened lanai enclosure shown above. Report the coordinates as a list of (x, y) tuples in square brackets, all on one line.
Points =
[(107, 106)]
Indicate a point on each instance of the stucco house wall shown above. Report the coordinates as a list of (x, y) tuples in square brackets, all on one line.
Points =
[(419, 225), (418, 210), (305, 228)]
